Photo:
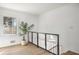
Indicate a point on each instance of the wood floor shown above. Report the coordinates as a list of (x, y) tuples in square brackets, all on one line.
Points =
[(70, 53), (30, 49)]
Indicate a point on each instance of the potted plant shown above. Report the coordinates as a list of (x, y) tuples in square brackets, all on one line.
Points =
[(24, 28)]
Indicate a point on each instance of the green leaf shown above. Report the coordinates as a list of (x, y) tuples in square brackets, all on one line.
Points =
[(24, 28)]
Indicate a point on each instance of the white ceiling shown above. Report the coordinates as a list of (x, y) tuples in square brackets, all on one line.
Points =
[(34, 8)]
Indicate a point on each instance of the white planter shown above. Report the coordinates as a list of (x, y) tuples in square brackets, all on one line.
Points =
[(23, 43)]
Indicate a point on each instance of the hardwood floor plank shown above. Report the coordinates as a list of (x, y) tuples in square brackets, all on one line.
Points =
[(29, 49)]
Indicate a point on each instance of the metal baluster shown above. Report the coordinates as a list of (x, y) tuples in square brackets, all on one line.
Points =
[(37, 39), (32, 36), (45, 41), (57, 44), (28, 37)]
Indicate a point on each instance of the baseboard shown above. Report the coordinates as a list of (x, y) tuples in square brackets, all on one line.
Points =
[(9, 44)]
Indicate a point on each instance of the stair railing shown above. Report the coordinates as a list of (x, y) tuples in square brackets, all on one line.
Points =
[(30, 37)]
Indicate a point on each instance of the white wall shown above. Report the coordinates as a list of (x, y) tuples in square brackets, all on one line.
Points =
[(65, 22), (20, 16)]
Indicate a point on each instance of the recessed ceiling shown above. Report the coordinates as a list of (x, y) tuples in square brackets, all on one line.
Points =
[(34, 8)]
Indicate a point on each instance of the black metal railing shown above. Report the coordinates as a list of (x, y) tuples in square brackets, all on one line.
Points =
[(31, 40)]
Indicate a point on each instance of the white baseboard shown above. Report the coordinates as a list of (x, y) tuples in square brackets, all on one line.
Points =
[(8, 44)]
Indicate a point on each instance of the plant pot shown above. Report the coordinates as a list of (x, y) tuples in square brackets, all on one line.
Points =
[(23, 43)]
